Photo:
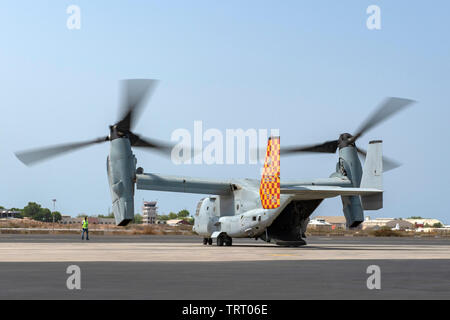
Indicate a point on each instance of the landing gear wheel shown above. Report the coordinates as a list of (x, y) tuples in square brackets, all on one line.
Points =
[(228, 241), (210, 241), (205, 241), (220, 241)]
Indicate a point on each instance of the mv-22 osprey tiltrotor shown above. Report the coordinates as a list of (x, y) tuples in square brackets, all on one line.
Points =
[(267, 209)]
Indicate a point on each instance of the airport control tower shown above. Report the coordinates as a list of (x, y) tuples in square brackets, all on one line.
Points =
[(149, 212)]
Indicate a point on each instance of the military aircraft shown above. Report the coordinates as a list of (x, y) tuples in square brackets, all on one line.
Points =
[(267, 209)]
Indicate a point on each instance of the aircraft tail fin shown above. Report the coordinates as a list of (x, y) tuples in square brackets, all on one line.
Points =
[(269, 190), (373, 176)]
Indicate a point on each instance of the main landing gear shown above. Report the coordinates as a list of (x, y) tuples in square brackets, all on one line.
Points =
[(207, 241), (223, 239)]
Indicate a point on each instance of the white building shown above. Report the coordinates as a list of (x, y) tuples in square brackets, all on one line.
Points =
[(424, 222), (393, 223), (319, 224), (337, 222), (9, 214), (177, 222)]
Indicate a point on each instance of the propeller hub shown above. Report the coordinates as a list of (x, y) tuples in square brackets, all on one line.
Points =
[(345, 140), (115, 132)]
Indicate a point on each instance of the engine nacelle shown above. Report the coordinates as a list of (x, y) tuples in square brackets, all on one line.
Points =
[(350, 166), (121, 167)]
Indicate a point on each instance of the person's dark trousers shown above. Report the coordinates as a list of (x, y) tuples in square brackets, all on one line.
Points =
[(87, 234)]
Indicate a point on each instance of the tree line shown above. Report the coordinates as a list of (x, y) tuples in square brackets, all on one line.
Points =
[(35, 211)]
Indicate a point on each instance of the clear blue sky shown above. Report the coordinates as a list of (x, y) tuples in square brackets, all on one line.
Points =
[(310, 68)]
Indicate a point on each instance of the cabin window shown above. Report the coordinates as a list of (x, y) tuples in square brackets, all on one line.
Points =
[(254, 218)]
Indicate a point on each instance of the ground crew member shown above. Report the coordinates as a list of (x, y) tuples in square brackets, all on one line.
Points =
[(85, 229)]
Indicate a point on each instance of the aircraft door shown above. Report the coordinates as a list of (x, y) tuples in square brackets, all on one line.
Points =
[(215, 209)]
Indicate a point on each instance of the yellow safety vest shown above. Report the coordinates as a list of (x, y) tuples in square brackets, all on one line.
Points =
[(85, 224)]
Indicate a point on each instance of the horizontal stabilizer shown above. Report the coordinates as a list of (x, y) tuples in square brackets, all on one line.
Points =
[(322, 192)]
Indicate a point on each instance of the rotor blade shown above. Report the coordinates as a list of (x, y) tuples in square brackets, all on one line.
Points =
[(326, 147), (388, 164), (384, 111), (134, 94), (31, 157), (163, 147)]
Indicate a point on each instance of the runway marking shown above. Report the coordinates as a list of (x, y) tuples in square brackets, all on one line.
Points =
[(191, 252)]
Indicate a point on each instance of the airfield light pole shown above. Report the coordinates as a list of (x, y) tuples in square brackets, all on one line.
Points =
[(53, 214)]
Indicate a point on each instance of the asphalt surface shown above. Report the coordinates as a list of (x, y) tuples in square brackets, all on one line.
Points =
[(405, 279), (277, 279), (69, 238)]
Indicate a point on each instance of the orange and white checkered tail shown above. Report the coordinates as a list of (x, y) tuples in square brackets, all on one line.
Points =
[(269, 190)]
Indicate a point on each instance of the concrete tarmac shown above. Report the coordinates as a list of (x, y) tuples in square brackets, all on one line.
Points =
[(180, 267)]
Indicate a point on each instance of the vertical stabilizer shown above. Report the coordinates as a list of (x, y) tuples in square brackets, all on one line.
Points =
[(269, 189), (373, 176)]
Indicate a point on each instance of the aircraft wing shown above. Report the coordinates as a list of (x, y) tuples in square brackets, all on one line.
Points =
[(158, 182), (322, 192)]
